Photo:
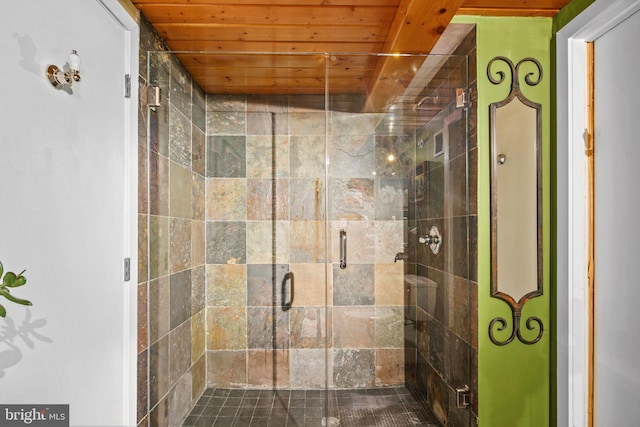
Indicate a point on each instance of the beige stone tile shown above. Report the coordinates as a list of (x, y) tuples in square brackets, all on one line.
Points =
[(143, 319), (307, 156), (390, 287), (308, 327), (158, 184), (143, 248), (226, 199), (346, 123), (158, 246), (179, 244), (268, 368), (199, 378), (390, 327), (180, 204), (389, 240), (389, 367), (180, 399), (307, 123), (310, 287), (260, 199), (260, 242), (308, 368), (179, 351), (198, 196), (198, 243), (159, 320), (226, 328), (198, 289), (226, 368), (227, 285), (353, 327), (197, 336), (261, 150), (308, 241)]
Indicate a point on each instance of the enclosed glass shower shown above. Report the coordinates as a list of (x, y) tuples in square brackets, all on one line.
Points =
[(313, 244)]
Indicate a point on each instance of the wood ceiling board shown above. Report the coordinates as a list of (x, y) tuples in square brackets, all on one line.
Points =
[(547, 13), (243, 61), (354, 3), (322, 26), (525, 8), (258, 74), (269, 47), (239, 60), (416, 28), (267, 81), (281, 73), (276, 90), (269, 15), (516, 4), (271, 33)]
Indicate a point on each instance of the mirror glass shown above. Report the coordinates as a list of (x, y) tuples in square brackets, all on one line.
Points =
[(515, 197)]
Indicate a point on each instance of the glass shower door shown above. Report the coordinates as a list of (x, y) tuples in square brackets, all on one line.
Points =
[(302, 287), (399, 203), (279, 202), (244, 179)]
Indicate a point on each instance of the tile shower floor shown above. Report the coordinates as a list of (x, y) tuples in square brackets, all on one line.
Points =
[(377, 407)]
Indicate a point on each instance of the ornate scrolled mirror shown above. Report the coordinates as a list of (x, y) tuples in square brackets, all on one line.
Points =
[(516, 199)]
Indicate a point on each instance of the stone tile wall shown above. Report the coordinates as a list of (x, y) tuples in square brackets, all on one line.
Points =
[(442, 355), (171, 241), (265, 216)]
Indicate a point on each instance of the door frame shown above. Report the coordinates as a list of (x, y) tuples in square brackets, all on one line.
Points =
[(117, 9), (572, 289)]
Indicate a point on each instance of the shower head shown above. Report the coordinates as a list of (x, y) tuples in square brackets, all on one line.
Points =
[(423, 104)]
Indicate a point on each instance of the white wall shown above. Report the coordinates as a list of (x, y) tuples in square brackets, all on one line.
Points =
[(66, 198), (572, 309), (617, 373)]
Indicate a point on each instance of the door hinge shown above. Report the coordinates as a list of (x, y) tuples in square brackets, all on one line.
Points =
[(127, 269), (462, 98), (153, 97), (127, 85)]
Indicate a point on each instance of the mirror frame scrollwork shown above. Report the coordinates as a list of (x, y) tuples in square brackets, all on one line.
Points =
[(532, 323)]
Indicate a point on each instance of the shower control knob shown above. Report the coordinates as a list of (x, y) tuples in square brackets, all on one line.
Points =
[(433, 239)]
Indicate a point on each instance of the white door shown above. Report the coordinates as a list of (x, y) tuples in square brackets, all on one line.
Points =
[(65, 203), (617, 230)]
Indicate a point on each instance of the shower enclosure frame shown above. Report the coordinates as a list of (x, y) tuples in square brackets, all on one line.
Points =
[(286, 287)]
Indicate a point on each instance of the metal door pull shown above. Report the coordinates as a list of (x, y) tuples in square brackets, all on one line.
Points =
[(287, 279), (343, 249)]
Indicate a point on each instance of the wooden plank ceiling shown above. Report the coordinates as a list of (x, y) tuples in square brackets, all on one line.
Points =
[(297, 33)]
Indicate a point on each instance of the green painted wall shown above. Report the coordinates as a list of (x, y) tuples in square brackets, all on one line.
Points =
[(570, 11), (513, 380)]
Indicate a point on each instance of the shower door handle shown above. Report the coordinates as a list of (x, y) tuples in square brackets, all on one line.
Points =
[(287, 279), (343, 249)]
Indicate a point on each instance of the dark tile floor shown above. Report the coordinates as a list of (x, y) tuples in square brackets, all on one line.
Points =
[(377, 407)]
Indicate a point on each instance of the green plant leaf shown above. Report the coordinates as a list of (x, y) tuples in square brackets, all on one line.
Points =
[(3, 311), (1, 269), (5, 293), (9, 279), (20, 281)]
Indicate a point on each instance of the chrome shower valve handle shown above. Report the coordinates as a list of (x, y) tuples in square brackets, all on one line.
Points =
[(433, 239)]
